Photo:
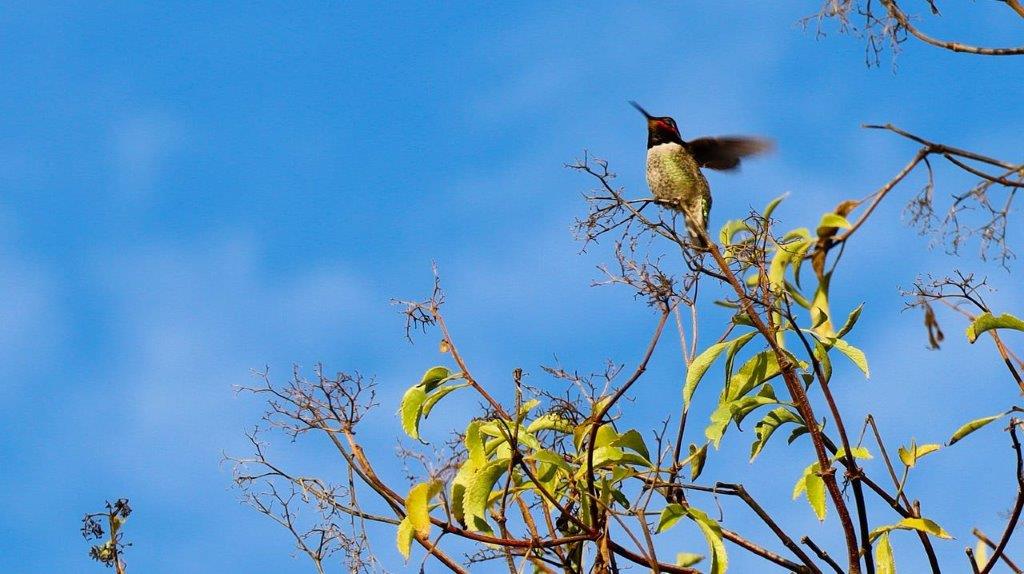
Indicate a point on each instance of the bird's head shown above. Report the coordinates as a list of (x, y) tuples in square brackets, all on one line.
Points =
[(659, 129)]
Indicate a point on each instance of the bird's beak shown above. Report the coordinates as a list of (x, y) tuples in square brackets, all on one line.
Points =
[(641, 109)]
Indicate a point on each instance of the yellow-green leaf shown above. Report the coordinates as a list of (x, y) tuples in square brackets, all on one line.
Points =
[(433, 399), (475, 444), (832, 220), (687, 559), (634, 441), (884, 562), (670, 515), (698, 367), (854, 354), (860, 452), (720, 418), (697, 458), (767, 426), (550, 421), (606, 435), (814, 487), (477, 493), (816, 495), (550, 457), (850, 321), (404, 539), (987, 322), (713, 534), (919, 524), (730, 229), (820, 312), (460, 483), (973, 426), (910, 455), (411, 408), (417, 506), (433, 377), (770, 208)]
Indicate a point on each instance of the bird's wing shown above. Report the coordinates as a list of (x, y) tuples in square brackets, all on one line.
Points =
[(725, 152)]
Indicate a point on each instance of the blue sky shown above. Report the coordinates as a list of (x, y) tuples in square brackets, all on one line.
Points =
[(190, 192)]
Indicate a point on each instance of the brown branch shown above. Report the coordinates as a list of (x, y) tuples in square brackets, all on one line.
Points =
[(1018, 505), (1016, 6), (853, 471), (1000, 179), (901, 18), (972, 560), (740, 492), (988, 542), (803, 404), (644, 561), (768, 555), (822, 554)]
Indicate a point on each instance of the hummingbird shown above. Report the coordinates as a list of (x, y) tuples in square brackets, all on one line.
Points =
[(673, 168)]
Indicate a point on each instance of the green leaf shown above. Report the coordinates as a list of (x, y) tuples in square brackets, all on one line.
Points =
[(784, 254), (735, 347), (770, 208), (603, 455), (813, 486), (987, 322), (720, 419), (730, 229), (670, 515), (884, 563), (459, 484), (526, 407), (910, 456), (404, 538), (417, 506), (501, 430), (973, 426), (919, 524), (797, 261), (821, 354), (550, 421), (850, 321), (713, 534), (854, 354), (434, 377), (477, 493), (687, 559), (816, 496), (758, 369), (860, 452), (819, 308), (552, 458), (797, 296), (475, 444), (634, 441), (698, 367), (767, 426), (832, 220), (606, 435), (740, 408), (433, 399), (411, 408), (697, 458)]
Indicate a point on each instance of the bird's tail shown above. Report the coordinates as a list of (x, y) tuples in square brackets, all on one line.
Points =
[(696, 225)]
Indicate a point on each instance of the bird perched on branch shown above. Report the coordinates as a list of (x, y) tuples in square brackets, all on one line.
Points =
[(673, 168)]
